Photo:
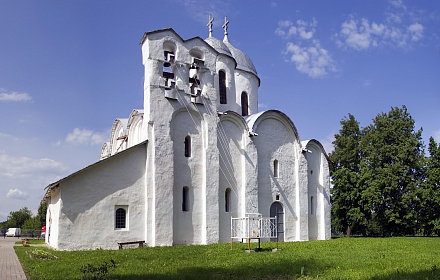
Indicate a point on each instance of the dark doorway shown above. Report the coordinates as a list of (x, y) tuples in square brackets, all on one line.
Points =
[(276, 210)]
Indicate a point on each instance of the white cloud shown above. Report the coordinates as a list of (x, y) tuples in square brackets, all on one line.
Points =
[(312, 60), (85, 137), (16, 194), (7, 96), (397, 4), (305, 52), (399, 29), (416, 31), (25, 166), (305, 30)]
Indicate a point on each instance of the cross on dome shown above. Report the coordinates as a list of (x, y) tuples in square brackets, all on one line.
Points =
[(225, 27), (210, 23)]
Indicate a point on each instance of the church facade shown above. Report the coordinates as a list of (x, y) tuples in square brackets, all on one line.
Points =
[(197, 154)]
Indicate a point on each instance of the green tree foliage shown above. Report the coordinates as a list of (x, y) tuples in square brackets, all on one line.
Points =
[(32, 223), (377, 175), (42, 209), (430, 197), (16, 219), (391, 169), (347, 209)]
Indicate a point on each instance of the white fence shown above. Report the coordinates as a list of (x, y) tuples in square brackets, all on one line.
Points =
[(253, 226)]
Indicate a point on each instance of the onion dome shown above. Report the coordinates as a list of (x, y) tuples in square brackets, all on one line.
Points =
[(218, 46), (243, 61)]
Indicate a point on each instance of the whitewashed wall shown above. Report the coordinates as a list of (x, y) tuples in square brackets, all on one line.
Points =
[(89, 197)]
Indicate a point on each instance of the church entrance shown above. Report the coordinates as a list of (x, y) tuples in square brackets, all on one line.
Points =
[(276, 210)]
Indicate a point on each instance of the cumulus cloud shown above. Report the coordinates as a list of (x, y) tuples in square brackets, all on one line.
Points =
[(305, 30), (24, 166), (16, 194), (85, 137), (398, 29), (303, 49), (8, 96)]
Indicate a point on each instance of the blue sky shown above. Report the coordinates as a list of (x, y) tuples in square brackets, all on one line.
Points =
[(69, 68)]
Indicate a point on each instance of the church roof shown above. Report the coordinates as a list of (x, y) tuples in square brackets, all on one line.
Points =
[(218, 46), (243, 61), (225, 47)]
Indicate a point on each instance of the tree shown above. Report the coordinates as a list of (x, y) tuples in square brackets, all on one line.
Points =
[(347, 209), (42, 210), (391, 170), (430, 195), (32, 223), (16, 219)]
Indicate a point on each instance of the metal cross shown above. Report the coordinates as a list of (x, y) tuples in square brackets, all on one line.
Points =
[(210, 22), (225, 26)]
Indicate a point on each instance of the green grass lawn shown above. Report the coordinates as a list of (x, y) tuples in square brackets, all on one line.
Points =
[(342, 258)]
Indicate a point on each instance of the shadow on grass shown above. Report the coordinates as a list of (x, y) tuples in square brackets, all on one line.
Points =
[(431, 274), (282, 269)]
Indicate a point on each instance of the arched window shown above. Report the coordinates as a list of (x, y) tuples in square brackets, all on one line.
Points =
[(228, 200), (222, 86), (244, 104), (185, 199), (120, 218), (275, 168), (312, 207), (188, 146)]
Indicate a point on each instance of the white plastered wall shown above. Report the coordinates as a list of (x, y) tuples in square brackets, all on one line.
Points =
[(231, 172), (188, 172), (276, 141), (89, 223), (318, 188)]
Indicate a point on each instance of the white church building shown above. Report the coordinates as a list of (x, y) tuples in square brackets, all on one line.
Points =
[(198, 154)]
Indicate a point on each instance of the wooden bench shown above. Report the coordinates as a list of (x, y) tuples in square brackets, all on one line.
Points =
[(121, 244)]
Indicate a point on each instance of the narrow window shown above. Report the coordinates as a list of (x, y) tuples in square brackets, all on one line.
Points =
[(275, 168), (244, 104), (185, 199), (188, 146), (312, 212), (228, 200), (120, 218), (222, 86)]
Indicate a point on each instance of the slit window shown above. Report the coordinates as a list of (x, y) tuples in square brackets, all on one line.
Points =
[(275, 168), (185, 199), (188, 146), (222, 86), (120, 218), (228, 200), (244, 104), (312, 206)]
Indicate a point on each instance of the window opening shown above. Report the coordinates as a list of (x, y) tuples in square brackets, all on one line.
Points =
[(275, 168), (222, 86), (188, 146), (312, 212), (120, 218), (244, 104), (228, 200), (185, 199), (168, 74)]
